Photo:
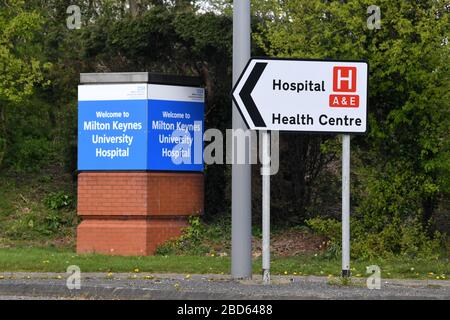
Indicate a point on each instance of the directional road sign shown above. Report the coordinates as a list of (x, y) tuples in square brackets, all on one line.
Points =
[(303, 95)]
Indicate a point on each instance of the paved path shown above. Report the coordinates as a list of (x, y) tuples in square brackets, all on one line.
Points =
[(176, 286)]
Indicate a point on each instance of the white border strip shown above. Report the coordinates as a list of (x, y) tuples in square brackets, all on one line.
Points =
[(103, 92), (176, 93)]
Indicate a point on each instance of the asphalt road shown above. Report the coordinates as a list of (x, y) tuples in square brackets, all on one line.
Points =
[(20, 286)]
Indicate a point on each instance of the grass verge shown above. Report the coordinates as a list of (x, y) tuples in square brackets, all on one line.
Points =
[(57, 260)]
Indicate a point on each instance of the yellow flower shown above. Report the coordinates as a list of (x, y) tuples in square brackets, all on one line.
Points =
[(285, 272), (2, 277), (59, 277), (187, 276), (136, 270), (110, 274)]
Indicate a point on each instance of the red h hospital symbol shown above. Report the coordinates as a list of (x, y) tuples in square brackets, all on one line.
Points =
[(344, 79)]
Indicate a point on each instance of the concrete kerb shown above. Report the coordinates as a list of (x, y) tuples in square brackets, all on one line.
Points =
[(164, 286)]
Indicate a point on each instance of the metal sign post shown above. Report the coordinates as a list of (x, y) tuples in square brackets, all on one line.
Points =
[(346, 205), (265, 172), (241, 214)]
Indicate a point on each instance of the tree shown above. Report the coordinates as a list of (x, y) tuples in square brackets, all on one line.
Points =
[(20, 68), (403, 162)]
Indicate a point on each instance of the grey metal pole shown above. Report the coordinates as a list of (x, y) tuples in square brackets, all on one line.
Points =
[(241, 225), (265, 172), (346, 205)]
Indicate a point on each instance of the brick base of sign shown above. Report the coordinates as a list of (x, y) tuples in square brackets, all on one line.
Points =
[(131, 213), (127, 236)]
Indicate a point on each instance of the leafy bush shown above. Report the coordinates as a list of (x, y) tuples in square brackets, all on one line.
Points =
[(32, 154), (190, 241), (198, 238), (58, 200), (39, 224), (406, 238)]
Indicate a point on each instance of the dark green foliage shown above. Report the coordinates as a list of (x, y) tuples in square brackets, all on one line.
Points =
[(31, 144)]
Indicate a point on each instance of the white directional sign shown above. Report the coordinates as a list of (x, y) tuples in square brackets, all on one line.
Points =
[(303, 95)]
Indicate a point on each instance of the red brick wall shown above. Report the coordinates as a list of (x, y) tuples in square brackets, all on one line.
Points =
[(140, 193), (127, 236), (131, 213)]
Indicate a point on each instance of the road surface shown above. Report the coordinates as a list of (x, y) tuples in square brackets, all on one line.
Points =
[(19, 286)]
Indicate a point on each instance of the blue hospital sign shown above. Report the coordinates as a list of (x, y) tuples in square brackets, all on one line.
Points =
[(175, 135), (140, 127)]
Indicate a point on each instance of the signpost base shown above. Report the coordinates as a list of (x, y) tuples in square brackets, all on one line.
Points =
[(266, 276), (345, 273)]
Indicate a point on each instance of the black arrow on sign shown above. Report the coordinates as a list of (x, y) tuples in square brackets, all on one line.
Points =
[(246, 91)]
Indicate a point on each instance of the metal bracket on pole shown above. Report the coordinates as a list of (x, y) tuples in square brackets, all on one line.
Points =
[(265, 172), (346, 205)]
